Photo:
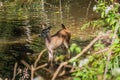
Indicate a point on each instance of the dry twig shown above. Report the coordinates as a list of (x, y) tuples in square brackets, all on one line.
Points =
[(32, 72), (41, 66), (26, 64), (39, 56), (34, 67)]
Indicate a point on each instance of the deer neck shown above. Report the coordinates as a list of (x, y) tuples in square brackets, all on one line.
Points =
[(48, 38)]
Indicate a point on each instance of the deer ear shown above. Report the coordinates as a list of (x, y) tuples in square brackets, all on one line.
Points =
[(63, 26), (49, 27)]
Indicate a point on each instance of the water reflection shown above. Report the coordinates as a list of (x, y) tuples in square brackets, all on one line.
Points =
[(16, 15)]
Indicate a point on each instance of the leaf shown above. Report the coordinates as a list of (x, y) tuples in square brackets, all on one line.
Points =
[(72, 60), (71, 49), (79, 73), (78, 49), (112, 22), (76, 78), (102, 15), (73, 46), (85, 26), (108, 20)]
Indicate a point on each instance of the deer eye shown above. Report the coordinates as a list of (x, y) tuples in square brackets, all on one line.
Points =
[(44, 31), (48, 31)]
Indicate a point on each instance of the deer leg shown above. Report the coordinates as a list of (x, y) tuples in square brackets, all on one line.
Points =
[(51, 57), (66, 44), (64, 49)]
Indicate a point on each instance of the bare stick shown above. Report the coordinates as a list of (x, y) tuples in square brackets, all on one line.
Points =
[(26, 64), (47, 70), (32, 72), (41, 66), (39, 56), (65, 73), (14, 73), (58, 69)]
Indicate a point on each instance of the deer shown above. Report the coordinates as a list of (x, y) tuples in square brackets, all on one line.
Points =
[(60, 38)]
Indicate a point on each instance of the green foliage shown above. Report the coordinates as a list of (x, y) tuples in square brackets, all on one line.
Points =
[(94, 24), (116, 46), (99, 46), (110, 18), (115, 67), (74, 48), (109, 15), (92, 70), (109, 12)]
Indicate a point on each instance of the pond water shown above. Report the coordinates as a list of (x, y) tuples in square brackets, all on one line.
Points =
[(16, 16)]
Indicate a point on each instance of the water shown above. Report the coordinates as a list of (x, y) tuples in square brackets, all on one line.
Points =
[(16, 15)]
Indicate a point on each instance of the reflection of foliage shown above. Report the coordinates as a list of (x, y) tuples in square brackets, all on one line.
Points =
[(37, 45), (9, 30), (14, 15)]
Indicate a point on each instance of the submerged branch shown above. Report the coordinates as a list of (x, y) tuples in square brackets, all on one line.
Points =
[(14, 72)]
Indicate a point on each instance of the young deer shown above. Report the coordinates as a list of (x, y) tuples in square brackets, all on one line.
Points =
[(61, 38)]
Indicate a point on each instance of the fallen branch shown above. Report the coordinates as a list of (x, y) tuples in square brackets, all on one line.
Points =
[(26, 64), (41, 66), (86, 48), (65, 73), (32, 72), (58, 69), (39, 56), (76, 57), (48, 70), (34, 67)]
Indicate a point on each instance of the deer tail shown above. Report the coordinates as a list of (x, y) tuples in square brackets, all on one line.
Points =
[(63, 26)]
